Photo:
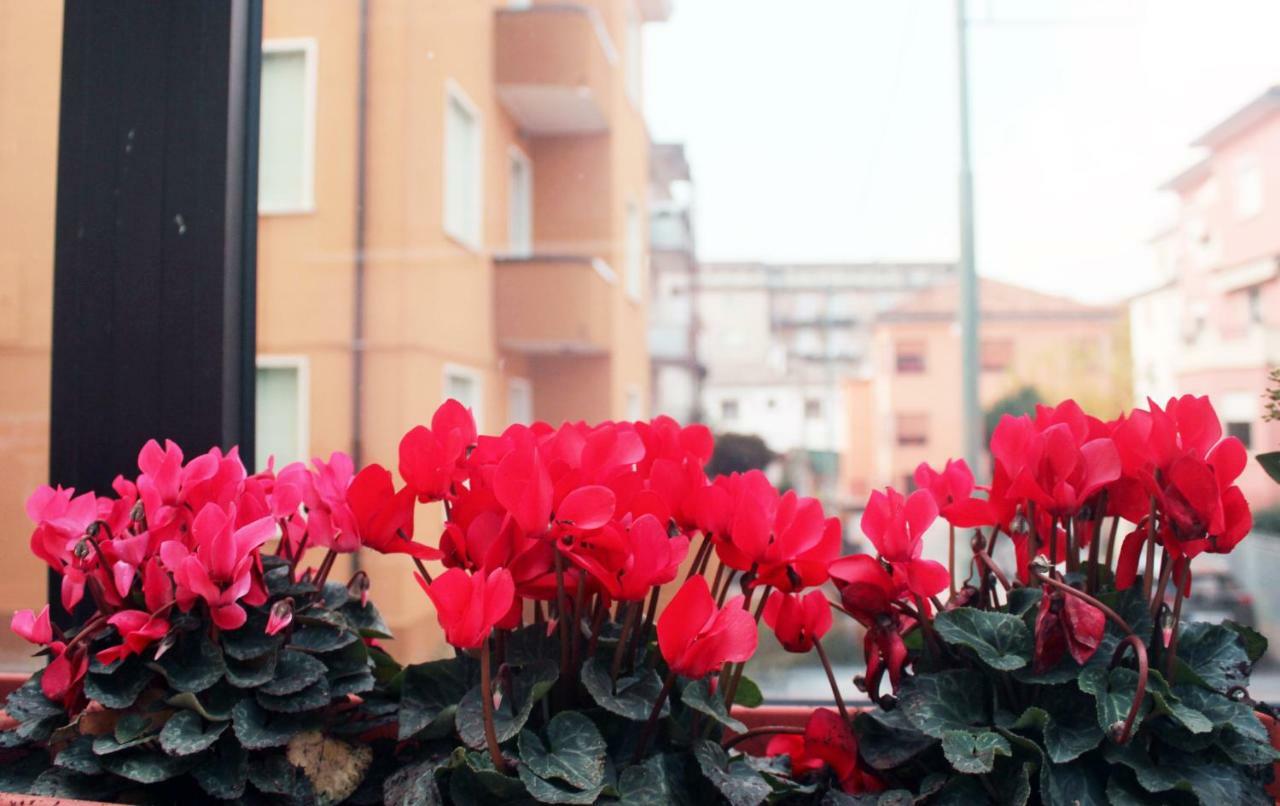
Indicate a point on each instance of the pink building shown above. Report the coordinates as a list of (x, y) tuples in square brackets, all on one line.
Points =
[(1213, 324)]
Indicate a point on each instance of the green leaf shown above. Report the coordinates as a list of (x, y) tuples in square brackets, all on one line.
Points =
[(481, 772), (1113, 694), (321, 637), (698, 696), (413, 785), (316, 695), (294, 672), (1067, 724), (358, 683), (548, 792), (28, 703), (214, 704), (1271, 463), (886, 739), (224, 772), (530, 644), (1024, 600), (530, 683), (1001, 640), (1245, 751), (1255, 643), (747, 694), (1212, 655), (644, 784), (79, 757), (740, 785), (944, 701), (366, 620), (350, 659), (185, 734), (1213, 782), (635, 694), (146, 766), (974, 752), (120, 687), (1223, 712), (59, 783), (1075, 784), (258, 728), (574, 752), (430, 693), (253, 672), (193, 664), (251, 640), (272, 774)]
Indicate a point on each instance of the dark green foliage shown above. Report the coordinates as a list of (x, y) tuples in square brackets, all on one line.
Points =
[(738, 453)]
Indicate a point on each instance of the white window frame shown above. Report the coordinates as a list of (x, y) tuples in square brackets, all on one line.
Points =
[(633, 394), (453, 92), (635, 251), (310, 50), (515, 154), (526, 387), (633, 67), (476, 377), (301, 363), (1247, 188)]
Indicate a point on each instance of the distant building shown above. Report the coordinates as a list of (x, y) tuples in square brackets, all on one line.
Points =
[(1212, 326), (780, 342), (675, 373), (907, 409)]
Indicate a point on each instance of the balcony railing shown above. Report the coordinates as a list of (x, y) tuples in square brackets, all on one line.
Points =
[(554, 67), (554, 305)]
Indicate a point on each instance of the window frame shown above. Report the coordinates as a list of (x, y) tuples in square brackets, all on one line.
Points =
[(911, 369), (513, 383), (634, 281), (473, 374), (453, 93), (516, 154), (301, 363), (309, 47)]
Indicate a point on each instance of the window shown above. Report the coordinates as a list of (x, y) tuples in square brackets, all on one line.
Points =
[(520, 204), (281, 410), (286, 147), (466, 386), (634, 54), (729, 408), (997, 355), (463, 169), (1253, 299), (1248, 188), (913, 429), (812, 408), (635, 406), (910, 356), (635, 252), (519, 401), (1242, 431)]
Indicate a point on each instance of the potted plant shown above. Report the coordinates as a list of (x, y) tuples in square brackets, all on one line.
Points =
[(603, 597)]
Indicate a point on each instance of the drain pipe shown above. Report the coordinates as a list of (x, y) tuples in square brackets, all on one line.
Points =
[(361, 227)]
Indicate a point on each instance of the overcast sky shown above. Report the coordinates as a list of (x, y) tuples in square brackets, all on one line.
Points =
[(826, 129)]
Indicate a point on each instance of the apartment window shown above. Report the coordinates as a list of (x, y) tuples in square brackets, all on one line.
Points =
[(466, 386), (997, 355), (910, 356), (520, 204), (463, 177), (634, 55), (635, 252), (913, 429), (286, 146), (635, 405), (729, 408), (1248, 188), (812, 408), (519, 401), (1253, 299), (1242, 431), (281, 411)]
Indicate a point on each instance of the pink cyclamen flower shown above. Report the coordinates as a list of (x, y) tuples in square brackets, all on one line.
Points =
[(220, 571), (281, 616), (36, 628), (138, 630)]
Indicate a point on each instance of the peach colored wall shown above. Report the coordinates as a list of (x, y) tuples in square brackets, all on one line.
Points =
[(30, 67)]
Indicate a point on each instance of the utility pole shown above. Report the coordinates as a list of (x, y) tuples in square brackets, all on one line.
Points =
[(969, 311)]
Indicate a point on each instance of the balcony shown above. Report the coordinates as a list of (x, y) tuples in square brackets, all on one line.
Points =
[(553, 66), (554, 305)]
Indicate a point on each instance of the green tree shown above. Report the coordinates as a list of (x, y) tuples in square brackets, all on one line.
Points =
[(738, 453)]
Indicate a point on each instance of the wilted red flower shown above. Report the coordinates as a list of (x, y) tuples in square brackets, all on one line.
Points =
[(696, 638), (1066, 624), (469, 605), (138, 630), (896, 527), (828, 740), (798, 620)]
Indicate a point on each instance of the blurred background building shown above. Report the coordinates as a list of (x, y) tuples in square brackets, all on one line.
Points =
[(470, 222)]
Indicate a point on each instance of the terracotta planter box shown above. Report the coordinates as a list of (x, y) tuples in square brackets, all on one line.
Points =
[(791, 716)]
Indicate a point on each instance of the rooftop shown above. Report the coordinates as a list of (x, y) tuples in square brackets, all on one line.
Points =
[(996, 299)]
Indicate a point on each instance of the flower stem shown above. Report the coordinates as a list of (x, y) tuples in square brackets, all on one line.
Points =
[(698, 557), (486, 708), (1095, 545), (1171, 654), (731, 691), (1140, 653), (562, 616), (652, 724), (1111, 542), (1079, 594), (831, 678), (628, 621), (1151, 551), (766, 730), (951, 557)]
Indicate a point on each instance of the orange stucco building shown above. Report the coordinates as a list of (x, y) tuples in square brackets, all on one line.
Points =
[(499, 256), (908, 411)]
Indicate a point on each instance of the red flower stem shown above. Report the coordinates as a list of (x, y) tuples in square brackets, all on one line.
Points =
[(89, 627), (628, 622), (562, 622), (297, 556), (652, 724), (831, 678), (724, 592), (715, 583), (422, 569), (539, 617), (1033, 533), (597, 622), (1111, 542), (326, 565), (698, 556), (1073, 550), (989, 565), (1095, 545), (732, 691), (1140, 653), (1157, 599), (766, 730), (1171, 655), (1151, 551), (486, 703), (951, 557), (579, 608), (1079, 594), (1053, 541)]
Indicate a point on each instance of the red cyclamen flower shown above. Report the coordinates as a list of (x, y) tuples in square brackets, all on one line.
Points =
[(382, 517), (895, 526), (138, 630), (431, 459), (796, 620), (469, 605), (827, 740), (952, 490), (696, 638)]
